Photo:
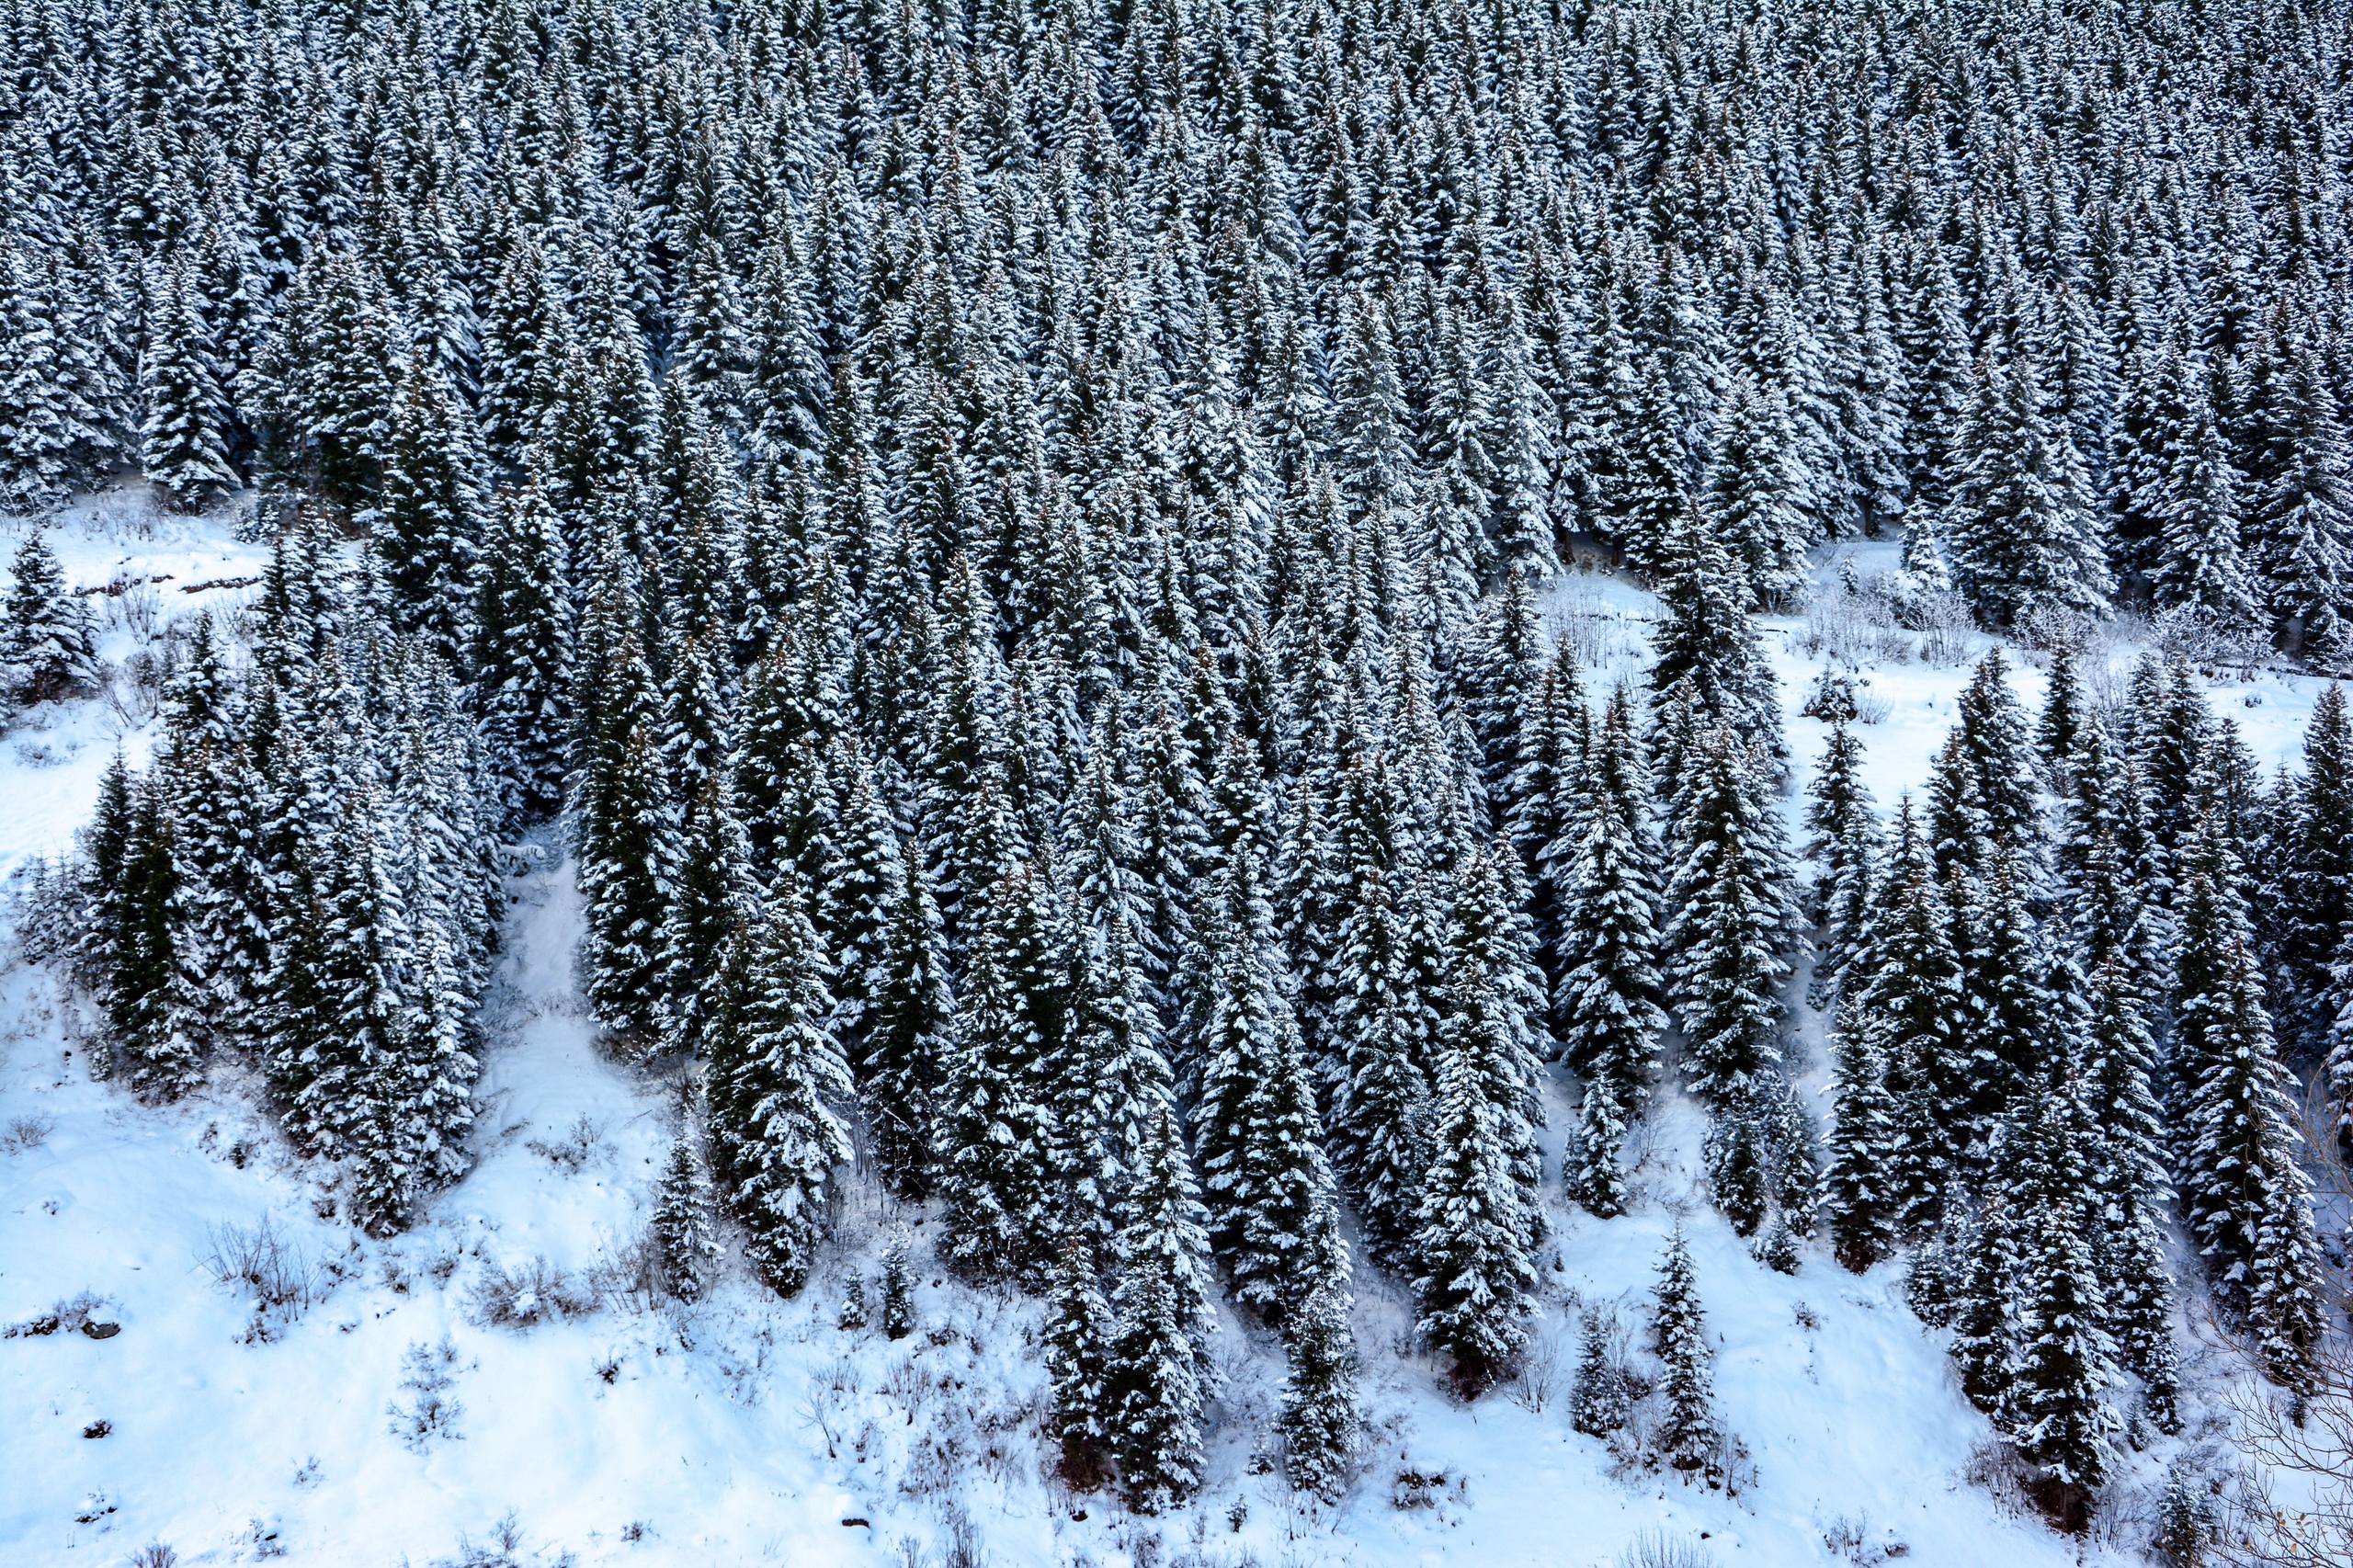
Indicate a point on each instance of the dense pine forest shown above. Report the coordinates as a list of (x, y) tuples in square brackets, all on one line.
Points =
[(1014, 544)]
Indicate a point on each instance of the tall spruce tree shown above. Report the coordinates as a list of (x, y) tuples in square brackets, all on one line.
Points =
[(1689, 1437), (777, 1125), (1156, 1378), (46, 647)]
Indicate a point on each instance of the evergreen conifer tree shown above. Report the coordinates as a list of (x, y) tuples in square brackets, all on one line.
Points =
[(1689, 1435), (779, 1125), (47, 650), (684, 1247), (1156, 1377), (1320, 1423)]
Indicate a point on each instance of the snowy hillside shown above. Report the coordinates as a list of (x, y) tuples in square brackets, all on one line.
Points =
[(606, 1427), (1176, 783)]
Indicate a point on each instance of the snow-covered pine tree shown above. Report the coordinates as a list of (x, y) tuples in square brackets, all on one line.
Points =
[(1470, 1241), (623, 818), (1909, 994), (1690, 1436), (995, 1123), (2132, 1188), (154, 1013), (1599, 1402), (2059, 732), (2317, 878), (2056, 1409), (522, 653), (911, 1031), (2248, 1199), (364, 978), (1846, 833), (184, 436), (1544, 791), (1321, 1423), (2299, 516), (1156, 1376), (1605, 1008), (1707, 654), (1984, 1259), (427, 523), (1994, 738), (1265, 1187), (1731, 917), (1079, 1337), (898, 1292), (1755, 502), (2020, 521), (779, 1125), (854, 897), (2202, 566), (1861, 1187), (713, 890), (46, 647), (2005, 1006), (685, 1250), (1381, 1107), (1487, 936)]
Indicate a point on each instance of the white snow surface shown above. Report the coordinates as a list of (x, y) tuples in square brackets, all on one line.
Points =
[(753, 1430)]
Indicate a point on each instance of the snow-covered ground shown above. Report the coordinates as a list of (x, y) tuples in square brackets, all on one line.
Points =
[(750, 1430)]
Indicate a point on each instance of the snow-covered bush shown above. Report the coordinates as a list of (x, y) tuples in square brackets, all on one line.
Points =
[(1948, 632), (504, 1548), (2189, 637), (530, 1293), (1535, 1381), (65, 1317), (428, 1374), (1994, 1469), (26, 1134), (582, 1143), (1853, 626), (1597, 630), (1664, 1548), (262, 1262)]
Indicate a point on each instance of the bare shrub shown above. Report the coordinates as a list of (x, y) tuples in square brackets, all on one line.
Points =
[(2193, 638), (1847, 1538), (1994, 1469), (427, 1373), (1598, 631), (137, 695), (155, 1554), (1535, 1379), (1412, 1490), (962, 1548), (1661, 1549), (582, 1144), (134, 605), (26, 1134), (1948, 632), (1852, 626), (528, 1294), (63, 1318), (274, 1273), (631, 1275), (2306, 1442), (504, 1548)]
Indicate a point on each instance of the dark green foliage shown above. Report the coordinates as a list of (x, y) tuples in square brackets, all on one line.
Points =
[(47, 650), (684, 1247)]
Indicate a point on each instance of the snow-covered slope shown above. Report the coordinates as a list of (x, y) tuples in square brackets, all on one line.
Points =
[(753, 1430)]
